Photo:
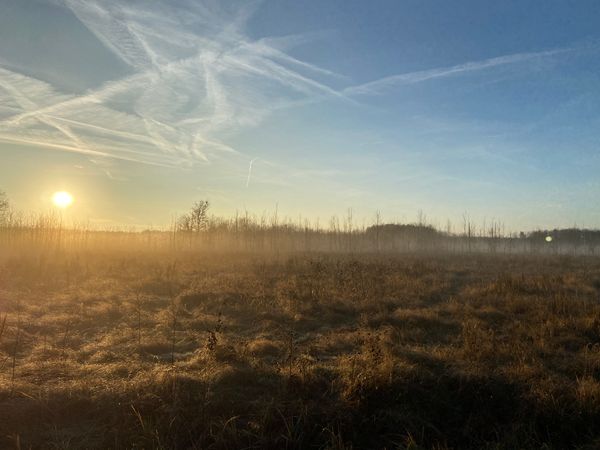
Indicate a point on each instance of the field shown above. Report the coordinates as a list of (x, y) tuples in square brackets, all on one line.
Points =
[(227, 350)]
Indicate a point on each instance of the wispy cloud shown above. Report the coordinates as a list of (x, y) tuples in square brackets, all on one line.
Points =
[(195, 75), (384, 84), (250, 171)]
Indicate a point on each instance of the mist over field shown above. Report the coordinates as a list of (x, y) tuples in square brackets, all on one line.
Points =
[(292, 225)]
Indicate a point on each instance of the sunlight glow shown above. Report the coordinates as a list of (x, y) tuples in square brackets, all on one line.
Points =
[(62, 199)]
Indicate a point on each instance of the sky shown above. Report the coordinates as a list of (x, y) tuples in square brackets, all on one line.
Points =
[(139, 108)]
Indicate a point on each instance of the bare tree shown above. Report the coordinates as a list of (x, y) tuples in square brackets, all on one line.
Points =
[(197, 219), (377, 230), (467, 230), (184, 223), (4, 207), (199, 215)]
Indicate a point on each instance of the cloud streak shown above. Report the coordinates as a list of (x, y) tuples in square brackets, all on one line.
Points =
[(250, 171), (195, 76), (384, 84)]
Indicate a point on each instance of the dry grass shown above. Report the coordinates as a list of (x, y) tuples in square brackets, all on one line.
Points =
[(151, 350)]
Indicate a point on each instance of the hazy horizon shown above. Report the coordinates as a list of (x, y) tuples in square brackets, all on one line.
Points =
[(139, 109)]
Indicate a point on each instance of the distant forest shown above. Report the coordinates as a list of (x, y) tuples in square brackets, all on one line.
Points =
[(197, 229)]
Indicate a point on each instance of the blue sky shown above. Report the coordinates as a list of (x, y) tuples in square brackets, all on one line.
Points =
[(140, 108)]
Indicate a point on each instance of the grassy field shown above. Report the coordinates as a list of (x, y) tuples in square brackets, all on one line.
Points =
[(151, 350)]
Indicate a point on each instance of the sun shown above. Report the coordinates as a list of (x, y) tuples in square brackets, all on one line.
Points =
[(62, 199)]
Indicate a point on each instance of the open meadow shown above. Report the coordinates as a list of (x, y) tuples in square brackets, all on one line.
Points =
[(139, 346), (289, 225)]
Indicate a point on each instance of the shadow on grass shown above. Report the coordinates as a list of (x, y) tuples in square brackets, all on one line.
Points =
[(245, 407)]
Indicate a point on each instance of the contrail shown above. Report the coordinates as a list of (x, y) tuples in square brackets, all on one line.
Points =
[(250, 171), (377, 86), (185, 84)]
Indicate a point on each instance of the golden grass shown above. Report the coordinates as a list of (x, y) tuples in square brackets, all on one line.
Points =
[(127, 347)]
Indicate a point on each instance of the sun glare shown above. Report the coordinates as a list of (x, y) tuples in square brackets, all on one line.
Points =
[(62, 199)]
